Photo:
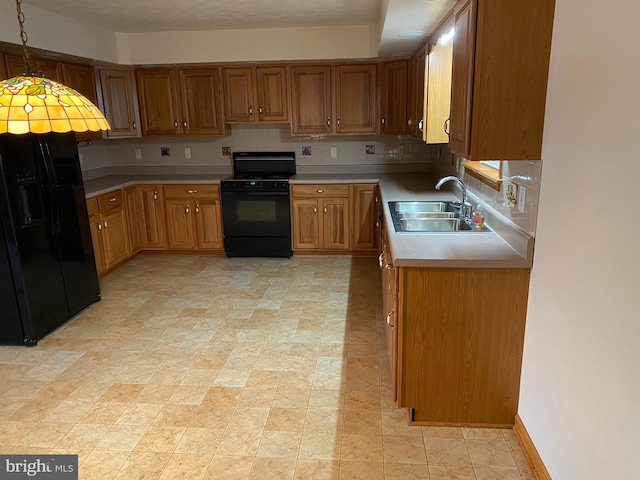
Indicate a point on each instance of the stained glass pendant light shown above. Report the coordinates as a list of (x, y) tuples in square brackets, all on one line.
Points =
[(34, 104)]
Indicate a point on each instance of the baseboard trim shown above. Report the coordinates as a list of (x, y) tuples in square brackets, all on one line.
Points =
[(530, 451)]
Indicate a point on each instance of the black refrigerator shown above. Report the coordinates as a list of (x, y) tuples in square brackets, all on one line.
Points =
[(47, 267)]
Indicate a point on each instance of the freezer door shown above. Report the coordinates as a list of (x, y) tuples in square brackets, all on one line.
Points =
[(35, 259), (74, 235)]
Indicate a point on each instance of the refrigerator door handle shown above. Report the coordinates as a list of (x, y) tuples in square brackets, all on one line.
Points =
[(48, 166)]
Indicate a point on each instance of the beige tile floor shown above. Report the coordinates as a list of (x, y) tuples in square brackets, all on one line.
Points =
[(216, 368)]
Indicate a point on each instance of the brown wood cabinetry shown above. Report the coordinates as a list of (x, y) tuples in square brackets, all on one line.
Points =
[(118, 101), (438, 105), (109, 230), (500, 70), (83, 79), (257, 94), (14, 65), (180, 102), (364, 217), (416, 93), (145, 213), (320, 217), (3, 68), (334, 99), (458, 335), (393, 97), (193, 217)]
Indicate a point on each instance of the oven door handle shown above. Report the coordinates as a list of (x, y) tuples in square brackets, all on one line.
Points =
[(252, 193)]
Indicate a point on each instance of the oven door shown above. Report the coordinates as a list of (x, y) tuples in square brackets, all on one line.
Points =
[(256, 214)]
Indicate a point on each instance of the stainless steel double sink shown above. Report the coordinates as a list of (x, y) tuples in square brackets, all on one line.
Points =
[(417, 217)]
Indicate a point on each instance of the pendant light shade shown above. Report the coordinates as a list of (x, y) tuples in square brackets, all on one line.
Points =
[(30, 104), (33, 104)]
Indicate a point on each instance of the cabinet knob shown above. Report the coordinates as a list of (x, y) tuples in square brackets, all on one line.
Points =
[(184, 124), (175, 124), (325, 210), (389, 315), (99, 227), (315, 210), (382, 120), (197, 209), (186, 210), (260, 110), (105, 224), (250, 109), (155, 196), (328, 122)]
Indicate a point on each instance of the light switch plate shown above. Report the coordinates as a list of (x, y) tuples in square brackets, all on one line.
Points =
[(138, 154), (187, 152), (522, 198), (334, 152)]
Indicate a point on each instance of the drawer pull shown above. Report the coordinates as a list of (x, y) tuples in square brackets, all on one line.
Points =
[(105, 224), (99, 226), (319, 191), (113, 199), (389, 315), (192, 191), (382, 264)]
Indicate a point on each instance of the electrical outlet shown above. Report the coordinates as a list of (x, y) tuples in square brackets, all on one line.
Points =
[(334, 152), (511, 194), (522, 198), (138, 154), (187, 152)]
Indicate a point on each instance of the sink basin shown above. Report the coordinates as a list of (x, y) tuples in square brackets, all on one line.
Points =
[(421, 207), (433, 225), (425, 217)]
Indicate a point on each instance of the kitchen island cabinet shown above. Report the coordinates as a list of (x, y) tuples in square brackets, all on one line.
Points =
[(500, 69)]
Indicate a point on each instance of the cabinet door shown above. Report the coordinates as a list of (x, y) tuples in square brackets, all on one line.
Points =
[(462, 77), (419, 114), (82, 79), (271, 89), (335, 223), (439, 92), (363, 218), (115, 237), (389, 310), (95, 224), (311, 100), (14, 65), (133, 206), (201, 110), (238, 95), (208, 223), (305, 226), (159, 102), (119, 102), (49, 69), (151, 215), (180, 226), (394, 97), (356, 98), (3, 67)]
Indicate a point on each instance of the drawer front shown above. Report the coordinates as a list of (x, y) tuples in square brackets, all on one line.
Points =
[(109, 200), (92, 205), (320, 190), (192, 191)]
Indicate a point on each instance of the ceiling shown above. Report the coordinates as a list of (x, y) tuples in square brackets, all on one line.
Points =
[(396, 16)]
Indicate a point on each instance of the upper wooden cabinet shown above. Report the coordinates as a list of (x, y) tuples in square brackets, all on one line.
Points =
[(118, 102), (14, 65), (49, 69), (438, 98), (416, 93), (393, 97), (257, 94), (180, 102), (3, 68), (500, 68), (82, 78), (338, 99)]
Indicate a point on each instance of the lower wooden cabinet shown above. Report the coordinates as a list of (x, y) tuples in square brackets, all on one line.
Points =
[(193, 217), (365, 216), (320, 217), (455, 338), (109, 231), (146, 218)]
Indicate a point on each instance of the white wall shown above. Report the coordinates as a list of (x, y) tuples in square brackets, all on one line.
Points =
[(580, 391)]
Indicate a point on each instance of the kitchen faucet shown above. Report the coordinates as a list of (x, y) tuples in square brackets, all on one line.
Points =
[(465, 207)]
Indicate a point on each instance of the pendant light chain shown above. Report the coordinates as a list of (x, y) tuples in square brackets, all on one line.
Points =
[(23, 36)]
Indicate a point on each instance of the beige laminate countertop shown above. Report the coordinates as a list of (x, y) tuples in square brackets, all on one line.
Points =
[(506, 246)]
